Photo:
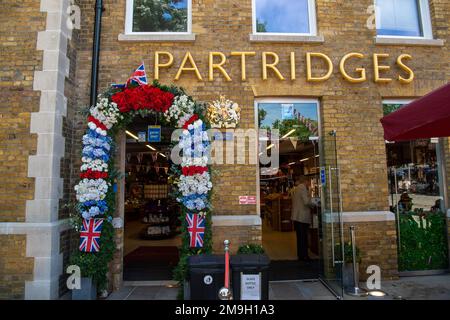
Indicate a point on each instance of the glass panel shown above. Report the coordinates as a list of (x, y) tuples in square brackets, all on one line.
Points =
[(331, 232), (282, 16), (416, 199), (160, 16), (399, 18)]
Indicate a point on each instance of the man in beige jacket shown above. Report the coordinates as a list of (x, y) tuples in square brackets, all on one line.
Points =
[(301, 216)]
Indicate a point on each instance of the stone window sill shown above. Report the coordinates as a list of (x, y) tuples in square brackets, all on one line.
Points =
[(158, 37), (285, 38), (408, 42)]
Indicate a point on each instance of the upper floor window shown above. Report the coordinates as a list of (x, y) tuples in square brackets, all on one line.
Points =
[(158, 16), (403, 18), (284, 17)]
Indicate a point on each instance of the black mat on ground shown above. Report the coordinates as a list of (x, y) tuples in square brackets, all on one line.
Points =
[(150, 264), (280, 270)]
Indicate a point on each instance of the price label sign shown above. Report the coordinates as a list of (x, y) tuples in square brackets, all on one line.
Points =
[(247, 199)]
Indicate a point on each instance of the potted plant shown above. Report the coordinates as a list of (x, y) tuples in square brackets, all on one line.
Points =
[(88, 286), (251, 249), (250, 261), (347, 266)]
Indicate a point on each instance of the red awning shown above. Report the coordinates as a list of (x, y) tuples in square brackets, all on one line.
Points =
[(424, 118)]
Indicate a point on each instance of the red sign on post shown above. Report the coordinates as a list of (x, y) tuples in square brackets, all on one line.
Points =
[(247, 199)]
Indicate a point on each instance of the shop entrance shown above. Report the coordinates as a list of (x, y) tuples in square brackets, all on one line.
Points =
[(151, 217), (291, 228)]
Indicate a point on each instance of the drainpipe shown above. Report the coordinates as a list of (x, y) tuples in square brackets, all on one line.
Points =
[(96, 50)]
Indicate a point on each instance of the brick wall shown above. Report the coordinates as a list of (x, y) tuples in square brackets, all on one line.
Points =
[(377, 242), (236, 235), (15, 267), (19, 24)]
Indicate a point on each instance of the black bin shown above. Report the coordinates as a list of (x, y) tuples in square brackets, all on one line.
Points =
[(244, 266), (206, 276)]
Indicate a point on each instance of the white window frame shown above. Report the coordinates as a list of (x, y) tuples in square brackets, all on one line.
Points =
[(129, 21), (311, 16), (425, 22)]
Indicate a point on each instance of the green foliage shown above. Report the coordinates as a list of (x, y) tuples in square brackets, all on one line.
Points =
[(261, 116), (348, 253), (95, 266), (261, 26), (423, 244), (251, 249), (159, 16), (389, 108), (301, 133)]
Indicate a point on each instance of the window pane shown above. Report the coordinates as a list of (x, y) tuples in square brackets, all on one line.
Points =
[(282, 16), (399, 18), (160, 16), (286, 117)]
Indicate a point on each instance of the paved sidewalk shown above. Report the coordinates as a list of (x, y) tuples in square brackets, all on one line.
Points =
[(145, 293), (417, 288), (407, 288)]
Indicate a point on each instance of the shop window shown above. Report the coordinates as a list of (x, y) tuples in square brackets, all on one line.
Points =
[(158, 16), (416, 198), (284, 17), (403, 18)]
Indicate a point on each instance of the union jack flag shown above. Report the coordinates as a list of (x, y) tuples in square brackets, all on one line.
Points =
[(139, 77), (90, 235), (196, 228)]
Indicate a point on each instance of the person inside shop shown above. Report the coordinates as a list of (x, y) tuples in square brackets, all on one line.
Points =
[(300, 215), (405, 203)]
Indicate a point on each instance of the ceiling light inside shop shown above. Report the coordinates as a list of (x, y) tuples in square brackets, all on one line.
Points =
[(306, 159), (290, 164), (270, 147), (132, 135), (288, 134), (150, 147), (163, 155)]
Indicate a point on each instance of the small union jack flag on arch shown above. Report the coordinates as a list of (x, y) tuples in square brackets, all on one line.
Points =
[(139, 77), (91, 231), (196, 229)]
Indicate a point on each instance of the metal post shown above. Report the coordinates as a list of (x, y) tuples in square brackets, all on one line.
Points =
[(96, 51), (225, 292), (355, 290)]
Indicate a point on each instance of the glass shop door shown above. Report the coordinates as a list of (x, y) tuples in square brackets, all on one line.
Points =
[(331, 224)]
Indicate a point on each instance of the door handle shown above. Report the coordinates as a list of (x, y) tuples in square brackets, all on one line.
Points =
[(331, 214)]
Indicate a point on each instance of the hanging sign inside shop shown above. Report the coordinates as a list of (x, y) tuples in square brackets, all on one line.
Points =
[(142, 135), (287, 111), (250, 286), (154, 133), (352, 66), (247, 199), (323, 178)]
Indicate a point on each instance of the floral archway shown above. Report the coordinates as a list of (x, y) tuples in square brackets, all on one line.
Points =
[(96, 191)]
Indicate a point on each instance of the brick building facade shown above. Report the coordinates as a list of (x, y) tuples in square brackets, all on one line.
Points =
[(45, 80)]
